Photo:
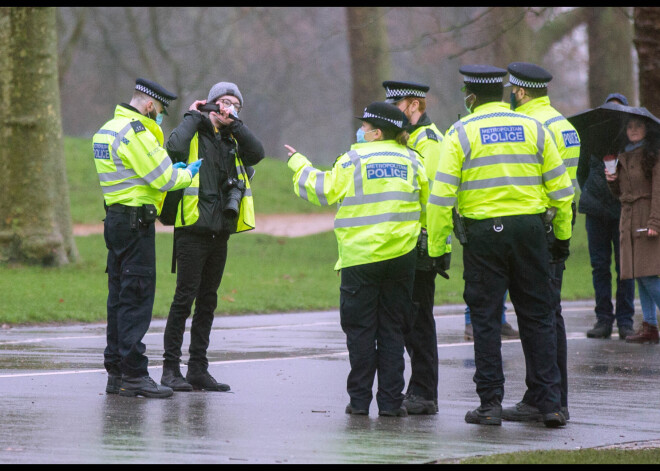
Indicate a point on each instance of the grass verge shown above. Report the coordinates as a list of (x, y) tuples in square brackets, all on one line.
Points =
[(584, 456), (263, 274)]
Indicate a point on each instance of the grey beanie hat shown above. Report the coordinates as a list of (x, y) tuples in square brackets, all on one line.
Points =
[(224, 88)]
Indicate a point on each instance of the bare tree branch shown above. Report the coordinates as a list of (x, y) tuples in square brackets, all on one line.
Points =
[(68, 46)]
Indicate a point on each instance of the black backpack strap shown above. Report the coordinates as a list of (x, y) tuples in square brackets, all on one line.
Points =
[(174, 252)]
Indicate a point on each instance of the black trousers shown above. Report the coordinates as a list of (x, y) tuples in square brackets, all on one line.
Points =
[(512, 256), (376, 308), (422, 340), (131, 268), (200, 262)]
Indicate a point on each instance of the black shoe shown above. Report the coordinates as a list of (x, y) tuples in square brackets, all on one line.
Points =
[(490, 414), (114, 383), (522, 412), (205, 382), (625, 331), (602, 330), (400, 412), (554, 419), (417, 405), (351, 410), (567, 416), (143, 386), (172, 378)]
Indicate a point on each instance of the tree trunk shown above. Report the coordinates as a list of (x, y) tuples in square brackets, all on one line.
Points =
[(370, 55), (647, 42), (35, 220), (610, 54)]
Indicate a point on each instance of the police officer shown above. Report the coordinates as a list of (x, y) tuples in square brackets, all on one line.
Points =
[(421, 342), (501, 167), (382, 189), (529, 95), (135, 172)]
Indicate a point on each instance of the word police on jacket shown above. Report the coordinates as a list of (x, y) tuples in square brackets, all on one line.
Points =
[(387, 170), (498, 134)]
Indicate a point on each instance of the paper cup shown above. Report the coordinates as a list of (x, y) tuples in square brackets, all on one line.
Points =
[(610, 165)]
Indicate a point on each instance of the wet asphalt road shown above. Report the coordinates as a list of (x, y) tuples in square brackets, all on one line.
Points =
[(288, 376)]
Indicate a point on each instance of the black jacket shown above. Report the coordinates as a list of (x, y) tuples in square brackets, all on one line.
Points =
[(596, 199), (217, 149)]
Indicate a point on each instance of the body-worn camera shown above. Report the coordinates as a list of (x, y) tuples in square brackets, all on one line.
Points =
[(234, 189)]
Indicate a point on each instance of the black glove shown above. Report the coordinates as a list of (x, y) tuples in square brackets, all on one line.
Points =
[(441, 264), (559, 250)]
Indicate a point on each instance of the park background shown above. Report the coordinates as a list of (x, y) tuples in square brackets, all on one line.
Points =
[(304, 74)]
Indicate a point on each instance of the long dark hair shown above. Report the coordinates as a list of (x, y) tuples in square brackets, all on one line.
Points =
[(651, 146)]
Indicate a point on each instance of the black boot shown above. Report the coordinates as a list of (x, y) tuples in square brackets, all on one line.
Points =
[(488, 414), (143, 386), (173, 378), (202, 380), (114, 383), (602, 330)]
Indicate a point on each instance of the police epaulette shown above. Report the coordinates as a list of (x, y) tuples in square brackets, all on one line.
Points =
[(431, 134), (137, 126)]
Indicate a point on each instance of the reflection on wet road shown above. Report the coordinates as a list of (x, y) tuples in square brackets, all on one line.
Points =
[(288, 377)]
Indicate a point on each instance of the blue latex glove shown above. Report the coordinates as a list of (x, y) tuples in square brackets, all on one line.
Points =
[(179, 165), (193, 168)]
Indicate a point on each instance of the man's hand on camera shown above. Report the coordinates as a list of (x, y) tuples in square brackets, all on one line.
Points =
[(196, 104)]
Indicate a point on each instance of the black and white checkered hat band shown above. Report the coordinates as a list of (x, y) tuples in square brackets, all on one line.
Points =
[(513, 80), (151, 93), (371, 115), (397, 92), (470, 79)]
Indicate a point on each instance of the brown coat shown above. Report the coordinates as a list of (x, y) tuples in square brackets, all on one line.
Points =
[(640, 208)]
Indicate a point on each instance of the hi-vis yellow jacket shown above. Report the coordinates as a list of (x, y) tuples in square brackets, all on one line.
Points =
[(132, 165), (188, 211), (497, 162), (563, 132), (382, 190), (427, 141)]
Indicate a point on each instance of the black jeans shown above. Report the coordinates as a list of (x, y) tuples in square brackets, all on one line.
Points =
[(603, 240), (422, 340), (131, 268), (515, 257), (556, 278), (376, 309), (200, 262)]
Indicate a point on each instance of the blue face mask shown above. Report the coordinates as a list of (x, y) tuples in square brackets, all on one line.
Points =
[(360, 136), (512, 100), (159, 119)]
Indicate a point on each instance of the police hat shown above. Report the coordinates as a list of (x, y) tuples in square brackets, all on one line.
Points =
[(397, 91), (383, 115), (524, 74), (155, 90), (482, 74)]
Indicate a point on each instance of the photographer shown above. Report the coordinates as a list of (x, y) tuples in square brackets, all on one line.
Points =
[(217, 204)]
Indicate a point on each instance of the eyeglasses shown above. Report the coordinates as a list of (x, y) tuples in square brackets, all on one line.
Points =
[(227, 103)]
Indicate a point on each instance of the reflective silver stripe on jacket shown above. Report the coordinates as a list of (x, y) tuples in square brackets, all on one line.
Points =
[(449, 201), (127, 174), (376, 219), (559, 194)]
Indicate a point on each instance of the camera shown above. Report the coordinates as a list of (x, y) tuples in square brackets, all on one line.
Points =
[(234, 189), (209, 107)]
